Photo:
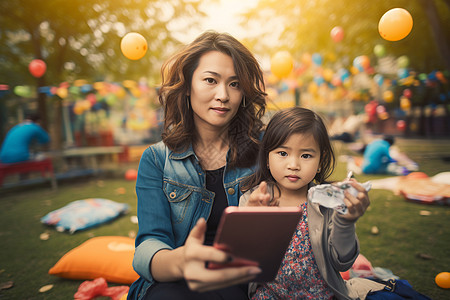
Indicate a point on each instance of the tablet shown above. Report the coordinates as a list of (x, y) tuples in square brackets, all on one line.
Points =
[(257, 236)]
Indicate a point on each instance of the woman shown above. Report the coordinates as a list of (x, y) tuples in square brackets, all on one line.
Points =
[(213, 97)]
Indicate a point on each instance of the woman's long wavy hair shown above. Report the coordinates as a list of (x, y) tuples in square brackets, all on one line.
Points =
[(244, 130), (282, 125)]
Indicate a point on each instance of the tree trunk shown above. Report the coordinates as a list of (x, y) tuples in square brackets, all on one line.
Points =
[(436, 30), (42, 104)]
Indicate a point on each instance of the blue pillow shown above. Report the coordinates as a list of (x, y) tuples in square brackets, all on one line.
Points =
[(83, 214)]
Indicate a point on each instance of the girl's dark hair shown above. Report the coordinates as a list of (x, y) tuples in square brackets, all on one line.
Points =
[(282, 125), (244, 130)]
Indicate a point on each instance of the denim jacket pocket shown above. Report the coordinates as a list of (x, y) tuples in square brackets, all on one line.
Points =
[(178, 197)]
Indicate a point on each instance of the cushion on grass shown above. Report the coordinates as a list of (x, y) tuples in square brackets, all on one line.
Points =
[(109, 257), (423, 190), (82, 214)]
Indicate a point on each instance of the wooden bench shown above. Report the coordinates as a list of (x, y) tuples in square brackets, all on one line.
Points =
[(44, 166), (88, 157)]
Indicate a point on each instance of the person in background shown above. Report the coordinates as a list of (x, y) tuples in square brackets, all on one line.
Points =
[(377, 158), (348, 130), (213, 97), (19, 139), (295, 154)]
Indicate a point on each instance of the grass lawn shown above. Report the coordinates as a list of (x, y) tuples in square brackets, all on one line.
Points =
[(412, 246)]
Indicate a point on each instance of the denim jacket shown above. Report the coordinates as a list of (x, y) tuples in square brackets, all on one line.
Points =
[(172, 196)]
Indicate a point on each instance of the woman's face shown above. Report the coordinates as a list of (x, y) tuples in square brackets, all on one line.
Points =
[(215, 92)]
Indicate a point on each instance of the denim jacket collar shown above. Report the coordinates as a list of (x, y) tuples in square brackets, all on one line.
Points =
[(185, 154)]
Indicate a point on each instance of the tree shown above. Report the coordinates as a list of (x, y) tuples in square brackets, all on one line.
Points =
[(304, 26), (80, 39)]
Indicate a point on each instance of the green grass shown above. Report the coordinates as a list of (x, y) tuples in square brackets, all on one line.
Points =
[(404, 234)]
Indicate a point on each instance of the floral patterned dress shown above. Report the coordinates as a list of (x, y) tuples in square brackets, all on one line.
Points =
[(298, 276)]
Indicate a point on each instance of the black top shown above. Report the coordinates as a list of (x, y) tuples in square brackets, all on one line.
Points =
[(214, 183)]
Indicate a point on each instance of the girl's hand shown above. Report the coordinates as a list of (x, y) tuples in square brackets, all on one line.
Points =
[(357, 206), (260, 197), (201, 279)]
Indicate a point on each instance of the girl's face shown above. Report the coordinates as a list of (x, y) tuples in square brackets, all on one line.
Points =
[(215, 91), (294, 164)]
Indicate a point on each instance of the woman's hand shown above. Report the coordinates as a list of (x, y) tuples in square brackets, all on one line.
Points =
[(357, 206), (260, 197), (196, 255)]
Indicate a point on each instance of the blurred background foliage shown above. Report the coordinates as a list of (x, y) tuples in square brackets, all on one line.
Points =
[(304, 26), (80, 39)]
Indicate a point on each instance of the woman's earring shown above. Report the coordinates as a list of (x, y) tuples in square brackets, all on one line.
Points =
[(318, 170), (243, 104), (188, 99)]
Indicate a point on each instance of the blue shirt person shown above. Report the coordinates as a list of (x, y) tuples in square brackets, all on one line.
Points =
[(16, 146), (377, 157)]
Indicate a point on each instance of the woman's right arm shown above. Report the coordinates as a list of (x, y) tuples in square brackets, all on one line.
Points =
[(156, 257), (153, 210)]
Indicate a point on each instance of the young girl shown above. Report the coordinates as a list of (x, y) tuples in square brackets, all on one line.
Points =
[(296, 153)]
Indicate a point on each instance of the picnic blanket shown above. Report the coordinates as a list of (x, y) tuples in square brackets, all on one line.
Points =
[(418, 187)]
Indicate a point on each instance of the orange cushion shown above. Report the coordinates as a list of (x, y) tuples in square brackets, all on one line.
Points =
[(109, 257)]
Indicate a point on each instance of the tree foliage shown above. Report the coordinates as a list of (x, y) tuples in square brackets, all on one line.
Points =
[(304, 26), (80, 39)]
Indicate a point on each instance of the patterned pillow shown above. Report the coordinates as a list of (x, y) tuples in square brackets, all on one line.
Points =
[(83, 214)]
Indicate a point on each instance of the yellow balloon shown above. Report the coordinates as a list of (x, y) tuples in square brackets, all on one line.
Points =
[(313, 88), (129, 84), (121, 93), (271, 79), (78, 109), (281, 64), (99, 85), (405, 104), (62, 93), (347, 83), (80, 82), (328, 74), (133, 46), (395, 24), (388, 96), (354, 70)]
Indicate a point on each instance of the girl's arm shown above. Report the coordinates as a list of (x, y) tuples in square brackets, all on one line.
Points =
[(343, 237), (358, 205)]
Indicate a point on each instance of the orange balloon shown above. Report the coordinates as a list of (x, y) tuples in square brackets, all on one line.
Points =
[(281, 64), (395, 24), (337, 34), (133, 46), (443, 280)]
